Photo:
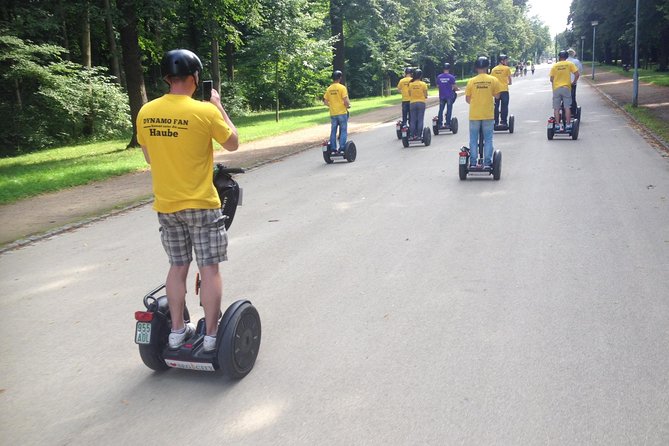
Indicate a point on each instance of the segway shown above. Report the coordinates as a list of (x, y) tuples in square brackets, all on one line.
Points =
[(398, 128), (349, 153), (426, 137), (503, 128), (553, 127), (439, 126), (465, 169), (239, 329)]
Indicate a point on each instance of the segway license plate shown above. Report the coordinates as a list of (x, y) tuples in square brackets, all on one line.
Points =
[(143, 333), (325, 148), (463, 160)]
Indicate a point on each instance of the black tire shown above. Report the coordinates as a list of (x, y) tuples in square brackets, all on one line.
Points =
[(427, 136), (435, 129), (496, 165), (512, 121), (399, 134), (578, 113), (328, 159), (152, 354), (405, 141), (550, 132), (454, 125), (350, 151), (463, 171), (574, 129), (238, 350)]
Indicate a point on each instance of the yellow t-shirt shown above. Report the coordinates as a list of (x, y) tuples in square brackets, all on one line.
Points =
[(502, 73), (417, 91), (561, 74), (481, 89), (402, 87), (335, 95), (177, 131)]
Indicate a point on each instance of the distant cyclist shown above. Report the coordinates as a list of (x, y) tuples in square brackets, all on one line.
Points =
[(503, 74), (403, 88), (573, 59), (447, 94), (561, 79)]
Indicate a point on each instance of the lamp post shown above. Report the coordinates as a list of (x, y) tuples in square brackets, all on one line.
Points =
[(635, 94), (582, 43), (594, 24)]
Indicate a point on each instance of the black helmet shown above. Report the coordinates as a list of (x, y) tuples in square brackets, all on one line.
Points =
[(447, 66), (417, 73), (482, 62), (563, 54), (180, 63), (408, 70), (503, 57), (337, 75)]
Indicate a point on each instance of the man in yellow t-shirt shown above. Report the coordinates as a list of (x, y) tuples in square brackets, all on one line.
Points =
[(480, 94), (403, 88), (503, 74), (336, 98), (175, 132), (418, 97), (561, 79)]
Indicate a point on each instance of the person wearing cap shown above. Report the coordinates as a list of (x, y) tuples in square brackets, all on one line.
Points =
[(403, 88), (175, 132), (336, 98), (447, 94), (503, 74), (560, 77), (573, 59), (418, 95), (480, 94)]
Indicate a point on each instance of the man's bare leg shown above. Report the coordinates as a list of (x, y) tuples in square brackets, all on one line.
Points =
[(175, 286), (211, 291)]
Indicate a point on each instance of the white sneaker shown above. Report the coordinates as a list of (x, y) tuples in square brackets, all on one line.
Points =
[(209, 343), (176, 340)]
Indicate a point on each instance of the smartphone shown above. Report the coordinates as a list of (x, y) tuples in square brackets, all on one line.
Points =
[(206, 89)]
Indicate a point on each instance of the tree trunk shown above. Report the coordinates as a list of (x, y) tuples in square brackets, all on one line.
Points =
[(230, 61), (111, 37), (66, 40), (337, 30), (19, 102), (215, 64), (276, 87), (132, 63), (86, 36)]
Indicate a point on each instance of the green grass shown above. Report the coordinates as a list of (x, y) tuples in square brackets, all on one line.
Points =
[(645, 116), (660, 79), (55, 169)]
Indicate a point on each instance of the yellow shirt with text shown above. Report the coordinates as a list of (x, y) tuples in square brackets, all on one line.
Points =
[(403, 87), (417, 91), (502, 73), (177, 131), (335, 95), (481, 89), (561, 74)]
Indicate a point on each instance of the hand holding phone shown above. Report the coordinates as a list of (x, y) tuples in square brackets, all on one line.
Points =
[(207, 86)]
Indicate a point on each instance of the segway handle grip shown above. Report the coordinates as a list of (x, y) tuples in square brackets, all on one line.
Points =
[(230, 170)]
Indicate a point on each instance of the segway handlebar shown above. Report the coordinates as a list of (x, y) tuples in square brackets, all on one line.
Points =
[(230, 170)]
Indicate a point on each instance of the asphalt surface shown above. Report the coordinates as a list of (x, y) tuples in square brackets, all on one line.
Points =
[(400, 305)]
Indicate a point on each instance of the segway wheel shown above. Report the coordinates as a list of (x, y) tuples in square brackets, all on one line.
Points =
[(550, 132), (328, 159), (574, 129), (405, 141), (240, 342), (454, 125), (578, 113), (427, 136), (350, 152), (463, 172), (399, 134), (511, 122), (435, 129), (497, 165)]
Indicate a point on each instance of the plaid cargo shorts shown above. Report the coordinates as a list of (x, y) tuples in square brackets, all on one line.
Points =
[(202, 229)]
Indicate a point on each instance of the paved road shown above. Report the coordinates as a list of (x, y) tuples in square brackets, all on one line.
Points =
[(400, 305)]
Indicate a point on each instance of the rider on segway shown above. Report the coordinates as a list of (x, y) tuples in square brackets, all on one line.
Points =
[(560, 77), (447, 95), (418, 95), (573, 59), (188, 205), (403, 88), (503, 74), (336, 98), (480, 94)]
